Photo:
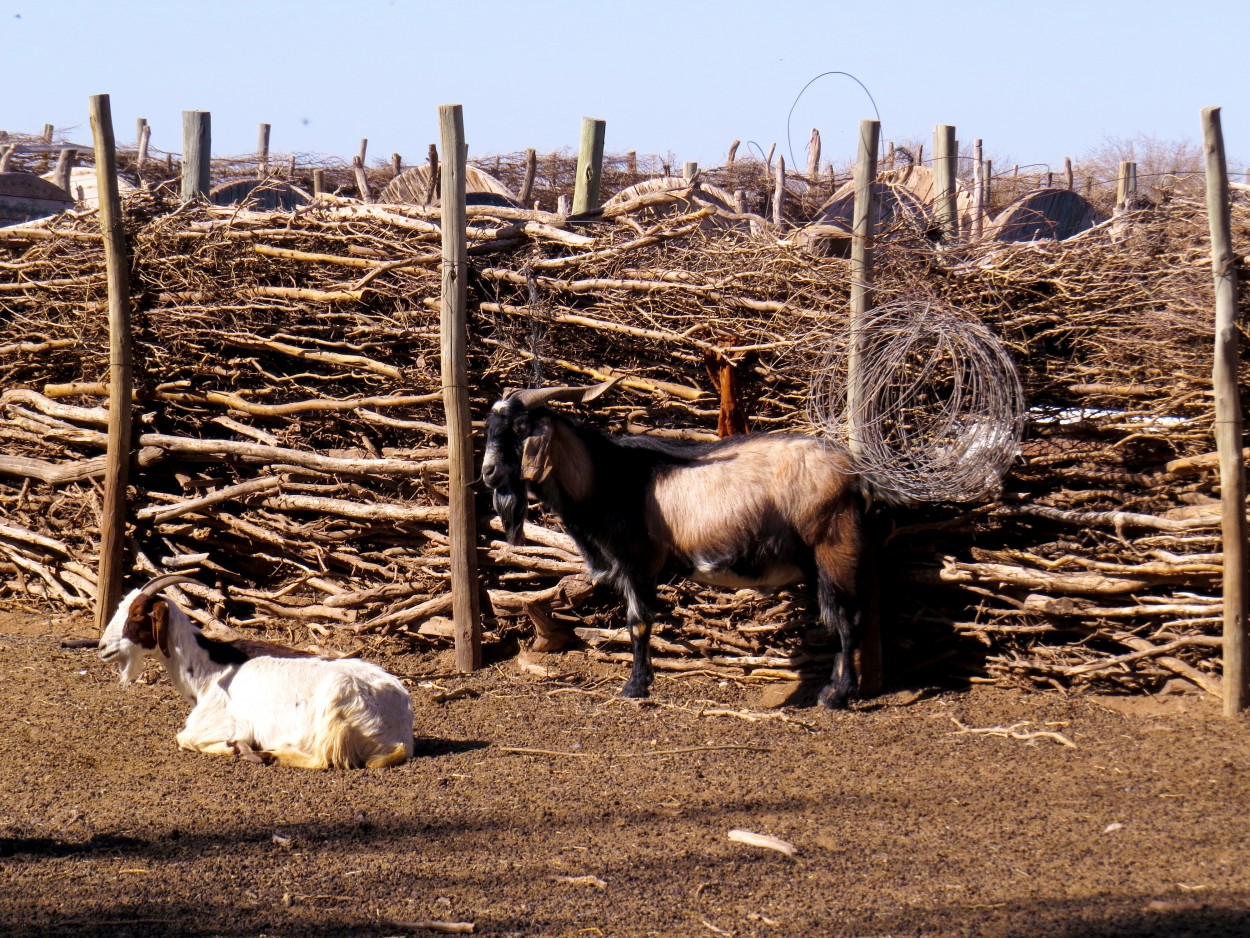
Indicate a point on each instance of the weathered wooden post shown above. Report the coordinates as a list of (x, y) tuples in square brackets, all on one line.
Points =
[(733, 153), (944, 157), (262, 152), (117, 463), (1126, 185), (978, 189), (364, 148), (6, 154), (145, 136), (454, 332), (527, 184), (589, 166), (813, 157), (689, 170), (1228, 420), (65, 168), (1068, 179), (779, 192), (319, 182), (362, 181), (631, 163), (197, 151), (863, 231)]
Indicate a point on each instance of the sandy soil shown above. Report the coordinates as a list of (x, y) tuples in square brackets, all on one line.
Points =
[(618, 827)]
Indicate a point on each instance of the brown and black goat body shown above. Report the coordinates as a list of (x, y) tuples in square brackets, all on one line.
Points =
[(758, 511)]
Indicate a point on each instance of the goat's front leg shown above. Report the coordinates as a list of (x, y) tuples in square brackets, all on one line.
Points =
[(640, 615), (209, 728)]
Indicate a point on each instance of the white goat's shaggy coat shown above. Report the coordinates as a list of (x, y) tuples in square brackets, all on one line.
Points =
[(300, 710)]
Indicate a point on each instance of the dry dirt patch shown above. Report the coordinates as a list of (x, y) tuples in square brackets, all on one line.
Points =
[(539, 806)]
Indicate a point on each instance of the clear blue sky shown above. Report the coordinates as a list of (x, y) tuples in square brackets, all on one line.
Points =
[(1036, 81)]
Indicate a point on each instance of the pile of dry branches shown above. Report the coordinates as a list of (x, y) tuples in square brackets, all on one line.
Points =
[(291, 440)]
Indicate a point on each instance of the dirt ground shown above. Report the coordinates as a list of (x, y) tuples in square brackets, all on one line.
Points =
[(618, 826)]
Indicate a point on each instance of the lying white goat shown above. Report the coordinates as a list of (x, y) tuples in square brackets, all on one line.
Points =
[(285, 705)]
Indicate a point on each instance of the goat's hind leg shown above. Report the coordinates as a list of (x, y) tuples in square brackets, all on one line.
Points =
[(839, 613)]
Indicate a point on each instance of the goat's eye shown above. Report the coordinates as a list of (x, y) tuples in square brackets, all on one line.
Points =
[(521, 426)]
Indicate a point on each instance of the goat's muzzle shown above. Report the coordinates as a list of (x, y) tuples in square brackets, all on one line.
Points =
[(512, 505)]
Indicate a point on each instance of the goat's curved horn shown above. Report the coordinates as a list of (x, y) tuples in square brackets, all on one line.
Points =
[(152, 587), (533, 397)]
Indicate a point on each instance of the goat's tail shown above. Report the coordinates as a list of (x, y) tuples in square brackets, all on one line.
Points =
[(363, 724)]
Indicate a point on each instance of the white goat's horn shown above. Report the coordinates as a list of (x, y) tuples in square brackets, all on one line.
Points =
[(533, 397), (152, 587)]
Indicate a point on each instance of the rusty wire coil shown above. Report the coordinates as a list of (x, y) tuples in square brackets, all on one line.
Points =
[(940, 411)]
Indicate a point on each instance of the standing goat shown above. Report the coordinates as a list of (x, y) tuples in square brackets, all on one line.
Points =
[(287, 706), (760, 511)]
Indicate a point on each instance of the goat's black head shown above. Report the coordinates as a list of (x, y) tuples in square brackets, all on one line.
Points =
[(518, 448)]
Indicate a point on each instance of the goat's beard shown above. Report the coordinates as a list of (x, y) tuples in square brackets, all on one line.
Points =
[(512, 505)]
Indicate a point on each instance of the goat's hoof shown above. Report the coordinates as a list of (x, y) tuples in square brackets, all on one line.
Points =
[(631, 692), (834, 698)]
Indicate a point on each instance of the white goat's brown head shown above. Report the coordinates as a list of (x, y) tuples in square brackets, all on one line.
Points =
[(519, 447), (140, 627)]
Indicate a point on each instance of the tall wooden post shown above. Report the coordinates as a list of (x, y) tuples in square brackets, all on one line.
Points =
[(813, 157), (197, 150), (454, 333), (1126, 184), (689, 170), (117, 464), (1067, 172), (1228, 421), (527, 184), (978, 189), (944, 157), (145, 135), (65, 168), (397, 165), (319, 182), (262, 152), (863, 231), (779, 193), (589, 166)]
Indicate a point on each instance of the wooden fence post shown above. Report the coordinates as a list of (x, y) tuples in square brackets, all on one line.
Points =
[(779, 193), (65, 168), (813, 157), (527, 184), (944, 157), (197, 151), (397, 165), (319, 182), (589, 166), (1228, 420), (863, 231), (1068, 179), (689, 170), (454, 336), (978, 189), (1126, 184), (362, 181), (117, 463), (262, 152), (145, 136)]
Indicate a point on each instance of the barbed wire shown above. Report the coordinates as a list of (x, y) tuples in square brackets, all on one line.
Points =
[(940, 408)]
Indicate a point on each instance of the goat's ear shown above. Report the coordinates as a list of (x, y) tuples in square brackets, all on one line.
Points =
[(160, 625), (139, 623), (536, 452)]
